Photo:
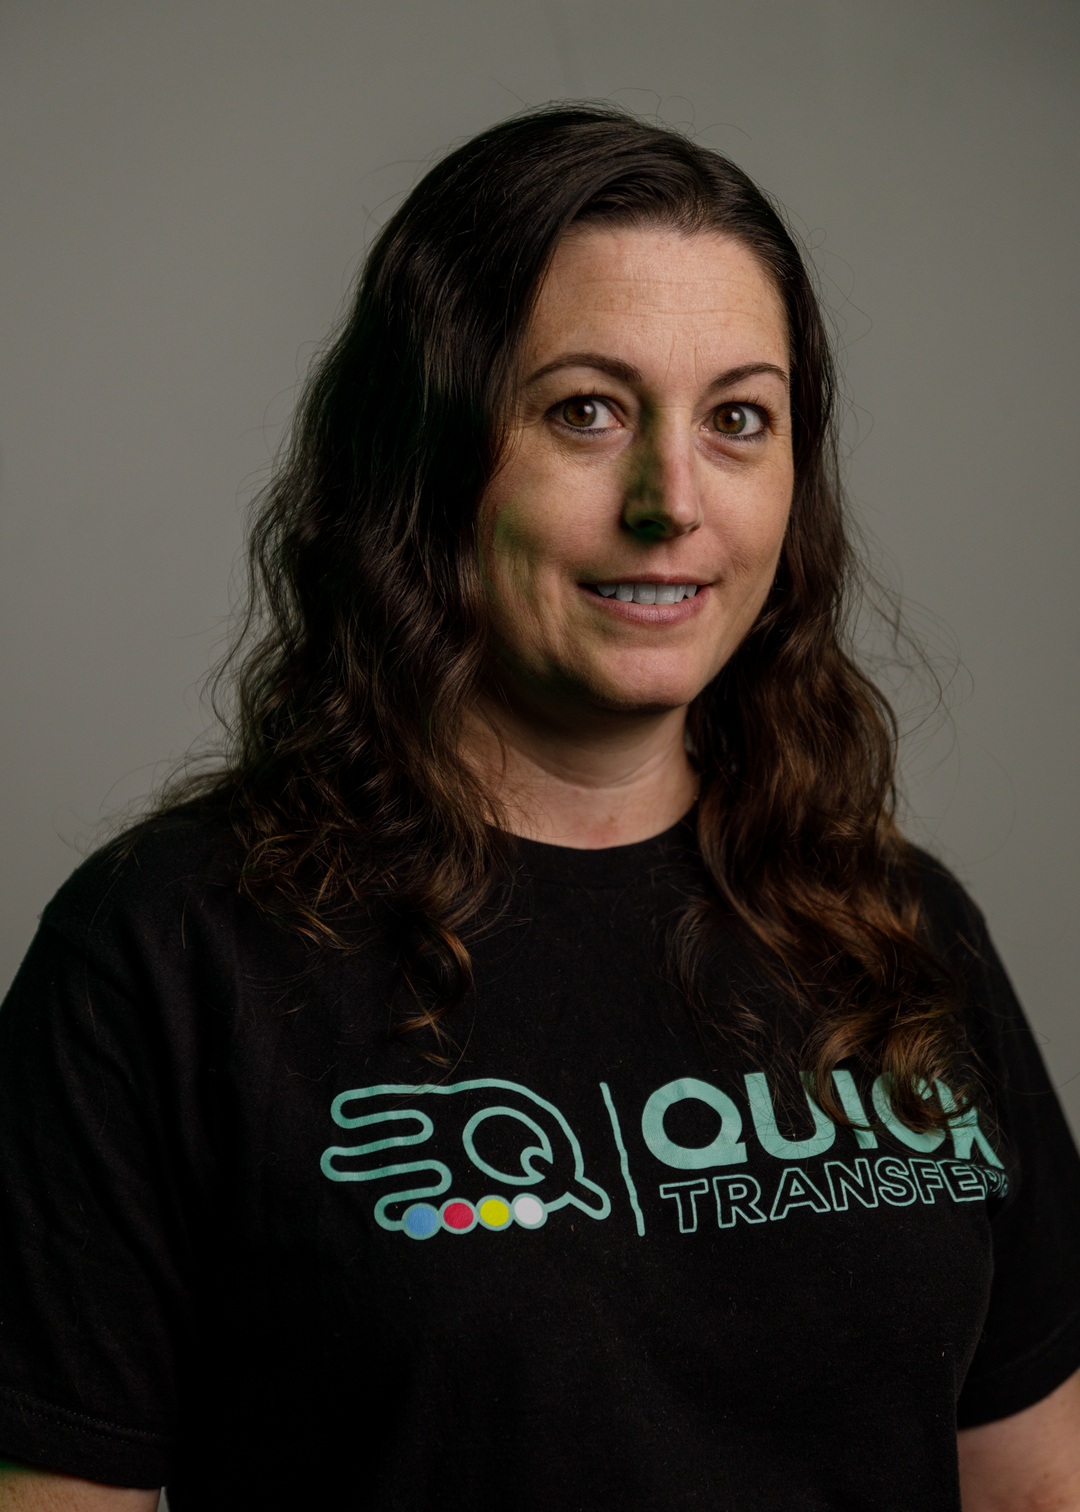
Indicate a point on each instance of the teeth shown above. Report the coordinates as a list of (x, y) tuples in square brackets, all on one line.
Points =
[(647, 593)]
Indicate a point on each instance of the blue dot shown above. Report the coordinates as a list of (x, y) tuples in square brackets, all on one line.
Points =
[(421, 1220)]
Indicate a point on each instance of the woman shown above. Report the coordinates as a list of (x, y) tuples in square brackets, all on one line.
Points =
[(535, 1071)]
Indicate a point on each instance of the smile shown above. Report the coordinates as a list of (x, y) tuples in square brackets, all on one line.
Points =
[(646, 593)]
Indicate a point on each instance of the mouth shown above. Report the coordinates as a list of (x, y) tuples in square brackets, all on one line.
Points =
[(645, 593)]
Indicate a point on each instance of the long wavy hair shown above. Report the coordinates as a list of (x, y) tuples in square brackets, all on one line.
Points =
[(366, 638)]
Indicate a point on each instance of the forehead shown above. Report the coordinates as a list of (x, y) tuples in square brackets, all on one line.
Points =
[(655, 283)]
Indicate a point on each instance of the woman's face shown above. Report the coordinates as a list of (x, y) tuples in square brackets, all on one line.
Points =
[(650, 454)]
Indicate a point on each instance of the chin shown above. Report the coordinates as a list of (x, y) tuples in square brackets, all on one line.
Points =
[(657, 696), (633, 684)]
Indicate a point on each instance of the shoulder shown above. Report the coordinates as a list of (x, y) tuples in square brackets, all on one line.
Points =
[(137, 949), (953, 926), (951, 918), (185, 863), (994, 1020)]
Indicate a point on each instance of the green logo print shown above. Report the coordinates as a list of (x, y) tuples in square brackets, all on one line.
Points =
[(833, 1187), (519, 1142), (726, 1149)]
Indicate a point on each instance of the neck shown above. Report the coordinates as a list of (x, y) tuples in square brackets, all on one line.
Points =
[(622, 778)]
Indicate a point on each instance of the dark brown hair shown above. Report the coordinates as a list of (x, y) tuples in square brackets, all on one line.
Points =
[(345, 781)]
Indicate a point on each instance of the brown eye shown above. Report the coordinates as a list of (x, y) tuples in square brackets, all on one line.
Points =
[(581, 413), (737, 420)]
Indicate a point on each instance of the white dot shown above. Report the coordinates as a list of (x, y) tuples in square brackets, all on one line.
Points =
[(529, 1212)]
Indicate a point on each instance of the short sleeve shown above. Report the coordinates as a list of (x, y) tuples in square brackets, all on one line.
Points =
[(1031, 1339), (96, 1203)]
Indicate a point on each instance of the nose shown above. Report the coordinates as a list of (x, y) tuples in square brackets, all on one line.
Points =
[(662, 499)]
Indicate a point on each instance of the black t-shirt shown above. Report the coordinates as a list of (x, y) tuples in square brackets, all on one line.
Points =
[(253, 1247)]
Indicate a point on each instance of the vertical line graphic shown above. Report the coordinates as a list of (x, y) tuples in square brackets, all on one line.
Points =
[(624, 1160)]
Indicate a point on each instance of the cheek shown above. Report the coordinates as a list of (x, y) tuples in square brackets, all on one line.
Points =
[(516, 551), (505, 539), (756, 530), (513, 560), (529, 531)]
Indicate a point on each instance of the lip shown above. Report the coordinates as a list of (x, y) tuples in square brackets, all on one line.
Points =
[(650, 614)]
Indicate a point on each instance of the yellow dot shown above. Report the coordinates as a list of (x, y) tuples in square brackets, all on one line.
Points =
[(494, 1213)]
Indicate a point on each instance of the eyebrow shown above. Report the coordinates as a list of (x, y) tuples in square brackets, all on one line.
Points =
[(628, 374)]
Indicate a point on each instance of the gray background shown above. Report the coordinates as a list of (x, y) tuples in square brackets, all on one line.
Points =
[(186, 191)]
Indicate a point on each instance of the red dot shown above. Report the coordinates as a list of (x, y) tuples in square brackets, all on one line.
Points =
[(458, 1215)]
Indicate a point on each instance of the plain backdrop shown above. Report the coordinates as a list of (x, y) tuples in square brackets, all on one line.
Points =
[(186, 190)]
